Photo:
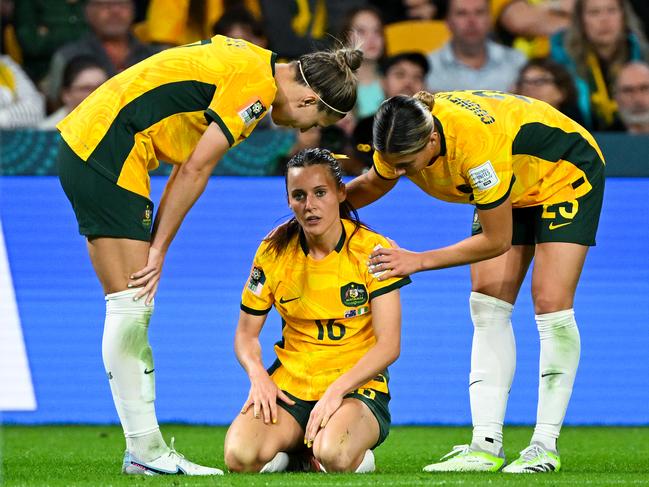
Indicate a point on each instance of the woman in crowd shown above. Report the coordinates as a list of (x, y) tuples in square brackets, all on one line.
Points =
[(328, 388), (604, 35), (536, 179)]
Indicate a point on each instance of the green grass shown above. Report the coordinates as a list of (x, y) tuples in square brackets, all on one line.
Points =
[(91, 456)]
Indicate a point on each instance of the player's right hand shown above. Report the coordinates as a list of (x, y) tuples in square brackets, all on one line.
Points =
[(263, 397), (148, 278)]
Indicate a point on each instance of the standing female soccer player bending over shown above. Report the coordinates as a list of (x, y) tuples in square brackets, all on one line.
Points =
[(536, 179), (341, 328), (187, 106)]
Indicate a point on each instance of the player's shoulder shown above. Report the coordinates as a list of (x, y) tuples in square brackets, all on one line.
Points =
[(364, 239)]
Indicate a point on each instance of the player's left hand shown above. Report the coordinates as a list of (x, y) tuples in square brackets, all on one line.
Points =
[(148, 278), (395, 262), (320, 415)]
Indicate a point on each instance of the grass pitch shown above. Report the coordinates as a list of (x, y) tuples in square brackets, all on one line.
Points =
[(91, 456)]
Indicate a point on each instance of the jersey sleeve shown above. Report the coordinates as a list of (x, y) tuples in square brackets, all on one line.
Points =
[(382, 168), (239, 103), (486, 164), (375, 287), (257, 297)]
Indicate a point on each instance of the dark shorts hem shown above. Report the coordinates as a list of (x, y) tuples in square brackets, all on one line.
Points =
[(378, 405)]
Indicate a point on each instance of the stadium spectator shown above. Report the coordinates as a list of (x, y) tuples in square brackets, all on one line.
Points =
[(82, 75), (632, 97), (295, 27), (239, 23), (44, 26), (21, 105), (470, 60), (603, 36), (110, 40), (548, 81), (341, 330), (403, 74), (528, 24), (168, 107), (491, 150), (365, 24)]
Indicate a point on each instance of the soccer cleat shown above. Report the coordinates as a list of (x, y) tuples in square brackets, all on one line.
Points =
[(279, 463), (535, 459), (170, 463), (463, 459)]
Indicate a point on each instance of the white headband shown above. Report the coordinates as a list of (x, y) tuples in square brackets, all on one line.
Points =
[(316, 94)]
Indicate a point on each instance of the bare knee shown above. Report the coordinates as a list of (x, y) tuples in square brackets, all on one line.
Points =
[(336, 454), (549, 302), (245, 458)]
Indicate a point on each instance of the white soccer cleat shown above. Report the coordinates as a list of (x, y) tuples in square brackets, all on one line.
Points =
[(463, 459), (170, 463), (534, 459), (279, 463)]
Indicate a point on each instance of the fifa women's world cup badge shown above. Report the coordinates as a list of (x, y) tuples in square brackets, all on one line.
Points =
[(353, 294), (147, 217)]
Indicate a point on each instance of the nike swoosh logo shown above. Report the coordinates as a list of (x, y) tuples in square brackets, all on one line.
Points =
[(551, 373), (147, 371), (475, 382), (178, 471), (554, 227), (284, 301)]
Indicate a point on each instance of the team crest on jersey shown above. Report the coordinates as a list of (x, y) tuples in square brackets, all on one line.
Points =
[(147, 217), (353, 294), (256, 281), (252, 113)]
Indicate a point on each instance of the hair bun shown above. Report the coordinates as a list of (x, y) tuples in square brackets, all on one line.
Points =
[(426, 98), (350, 56)]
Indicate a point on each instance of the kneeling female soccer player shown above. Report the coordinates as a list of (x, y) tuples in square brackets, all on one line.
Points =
[(340, 331)]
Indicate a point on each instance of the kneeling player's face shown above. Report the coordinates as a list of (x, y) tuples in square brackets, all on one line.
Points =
[(314, 198)]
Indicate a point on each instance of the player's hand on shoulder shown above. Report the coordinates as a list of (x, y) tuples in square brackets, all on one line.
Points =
[(393, 262)]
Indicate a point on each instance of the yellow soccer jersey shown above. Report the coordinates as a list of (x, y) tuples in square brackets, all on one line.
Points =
[(160, 107), (495, 144), (326, 309)]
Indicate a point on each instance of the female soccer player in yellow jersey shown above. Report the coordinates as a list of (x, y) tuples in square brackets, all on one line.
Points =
[(536, 179), (341, 328), (187, 106)]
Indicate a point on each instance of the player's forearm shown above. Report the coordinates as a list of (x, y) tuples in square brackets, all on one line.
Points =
[(180, 194), (248, 352), (473, 249), (361, 191), (375, 361)]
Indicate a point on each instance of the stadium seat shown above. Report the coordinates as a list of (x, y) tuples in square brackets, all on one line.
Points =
[(421, 36)]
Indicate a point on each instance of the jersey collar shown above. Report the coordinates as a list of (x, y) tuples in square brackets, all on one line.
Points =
[(339, 245)]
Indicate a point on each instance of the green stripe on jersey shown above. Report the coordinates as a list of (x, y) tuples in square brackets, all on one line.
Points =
[(143, 112), (553, 144)]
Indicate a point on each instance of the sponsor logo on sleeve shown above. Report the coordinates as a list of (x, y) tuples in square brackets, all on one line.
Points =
[(252, 113), (256, 281), (484, 176)]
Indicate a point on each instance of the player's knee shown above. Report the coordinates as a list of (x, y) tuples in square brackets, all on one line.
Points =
[(335, 455), (243, 458), (550, 301)]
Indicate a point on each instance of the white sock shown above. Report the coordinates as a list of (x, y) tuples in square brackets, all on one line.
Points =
[(277, 464), (367, 464), (493, 362), (560, 349), (129, 365)]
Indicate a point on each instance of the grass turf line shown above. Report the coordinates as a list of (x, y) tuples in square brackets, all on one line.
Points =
[(91, 456)]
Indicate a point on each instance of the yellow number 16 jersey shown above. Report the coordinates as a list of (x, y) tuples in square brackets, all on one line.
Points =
[(159, 108), (326, 309)]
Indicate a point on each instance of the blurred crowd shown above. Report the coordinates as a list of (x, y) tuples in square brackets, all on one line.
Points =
[(588, 58)]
